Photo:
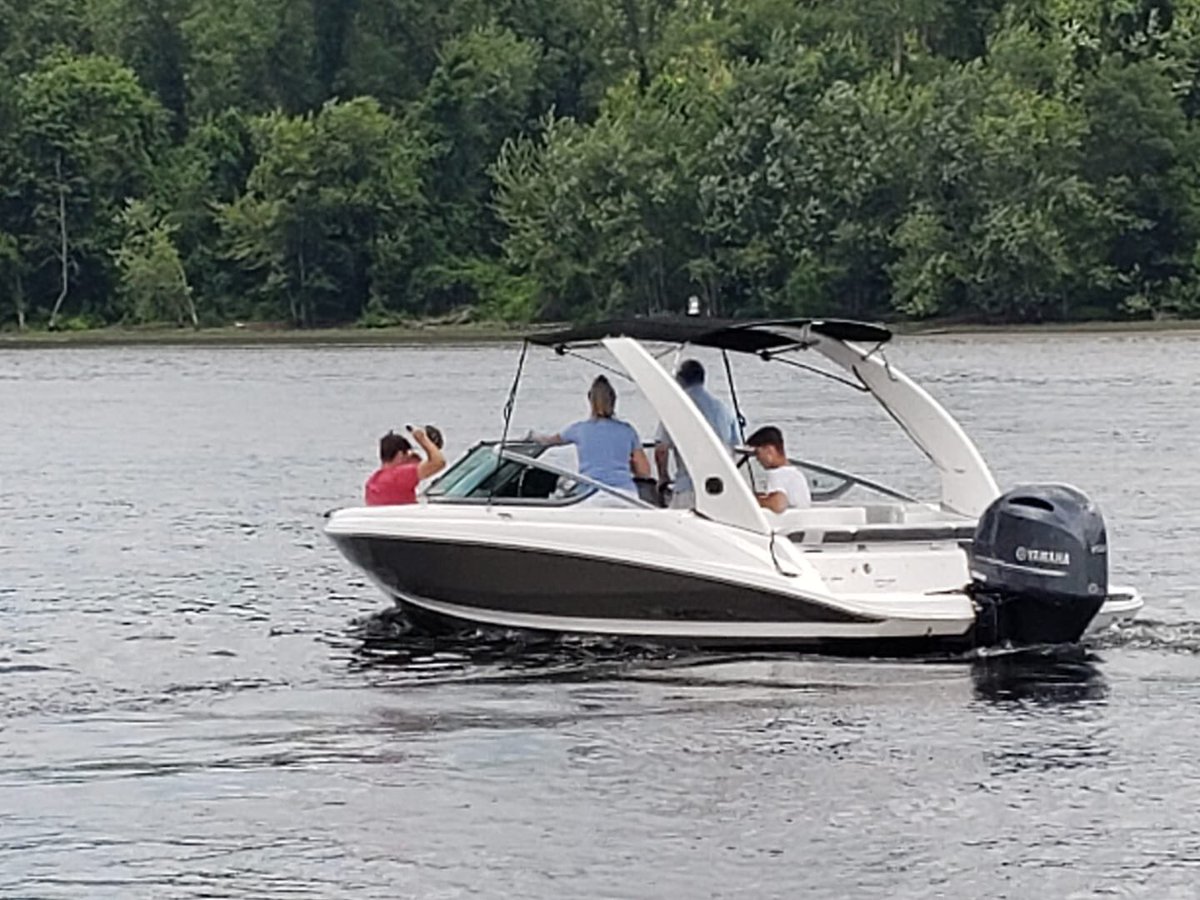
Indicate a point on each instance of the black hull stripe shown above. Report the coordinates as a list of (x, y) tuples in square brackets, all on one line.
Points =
[(541, 582)]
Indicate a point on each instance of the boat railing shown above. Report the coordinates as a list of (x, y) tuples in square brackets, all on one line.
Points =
[(845, 482), (528, 456), (852, 480)]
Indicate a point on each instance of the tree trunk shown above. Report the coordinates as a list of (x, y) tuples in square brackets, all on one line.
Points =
[(187, 293), (661, 300), (192, 311), (62, 230), (19, 301), (303, 292)]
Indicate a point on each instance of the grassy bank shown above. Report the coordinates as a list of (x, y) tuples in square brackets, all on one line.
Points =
[(484, 332), (250, 335), (933, 328)]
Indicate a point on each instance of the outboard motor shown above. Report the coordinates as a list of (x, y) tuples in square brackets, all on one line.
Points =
[(1039, 564)]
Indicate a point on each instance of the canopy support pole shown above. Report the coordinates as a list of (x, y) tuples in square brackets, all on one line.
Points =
[(741, 420), (832, 376), (508, 410), (567, 351)]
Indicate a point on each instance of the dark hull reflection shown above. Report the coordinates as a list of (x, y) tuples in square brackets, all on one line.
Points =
[(395, 638), (1044, 676)]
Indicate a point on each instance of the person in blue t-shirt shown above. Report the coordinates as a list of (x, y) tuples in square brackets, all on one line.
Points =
[(690, 377), (609, 449)]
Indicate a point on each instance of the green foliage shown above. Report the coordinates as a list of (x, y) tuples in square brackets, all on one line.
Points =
[(253, 55), (380, 160), (1013, 242), (479, 95), (809, 177), (76, 323), (153, 285), (12, 297), (147, 36), (927, 269), (194, 179), (607, 219), (496, 292), (1142, 159), (332, 194), (86, 139)]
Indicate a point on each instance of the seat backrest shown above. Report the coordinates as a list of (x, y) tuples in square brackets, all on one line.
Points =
[(816, 520), (537, 483)]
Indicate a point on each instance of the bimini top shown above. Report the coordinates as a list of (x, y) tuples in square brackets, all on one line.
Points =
[(738, 335)]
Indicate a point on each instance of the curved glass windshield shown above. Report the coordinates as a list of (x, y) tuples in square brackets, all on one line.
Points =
[(483, 475)]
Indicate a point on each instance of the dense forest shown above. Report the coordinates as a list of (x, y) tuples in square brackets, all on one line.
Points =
[(310, 162)]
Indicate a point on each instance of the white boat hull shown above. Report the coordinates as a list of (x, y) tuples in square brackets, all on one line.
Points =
[(656, 575)]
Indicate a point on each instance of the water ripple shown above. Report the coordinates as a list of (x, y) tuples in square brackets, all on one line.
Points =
[(184, 711)]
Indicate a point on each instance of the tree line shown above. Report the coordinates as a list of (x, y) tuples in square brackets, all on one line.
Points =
[(334, 161)]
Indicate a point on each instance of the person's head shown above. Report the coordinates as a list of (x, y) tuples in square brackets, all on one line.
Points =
[(690, 373), (393, 446), (768, 447), (603, 398)]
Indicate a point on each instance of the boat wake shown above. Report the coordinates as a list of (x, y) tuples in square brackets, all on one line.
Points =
[(394, 650), (1147, 634), (391, 640), (391, 636), (390, 644)]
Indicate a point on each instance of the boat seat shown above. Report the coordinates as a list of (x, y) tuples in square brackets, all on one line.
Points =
[(924, 532), (885, 513), (815, 521)]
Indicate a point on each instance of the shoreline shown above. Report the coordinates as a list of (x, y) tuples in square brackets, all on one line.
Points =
[(494, 332), (229, 336), (1133, 326)]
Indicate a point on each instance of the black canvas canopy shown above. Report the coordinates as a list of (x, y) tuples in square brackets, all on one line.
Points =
[(737, 335)]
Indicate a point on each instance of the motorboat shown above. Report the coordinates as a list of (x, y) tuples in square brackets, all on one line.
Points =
[(506, 538)]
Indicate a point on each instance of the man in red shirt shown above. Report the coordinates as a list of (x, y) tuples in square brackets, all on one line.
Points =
[(395, 481)]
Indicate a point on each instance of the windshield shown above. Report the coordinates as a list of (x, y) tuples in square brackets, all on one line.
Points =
[(481, 474)]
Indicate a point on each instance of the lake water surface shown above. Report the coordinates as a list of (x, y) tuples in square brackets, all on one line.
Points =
[(190, 705)]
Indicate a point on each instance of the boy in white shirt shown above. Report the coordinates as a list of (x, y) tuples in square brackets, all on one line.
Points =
[(786, 485)]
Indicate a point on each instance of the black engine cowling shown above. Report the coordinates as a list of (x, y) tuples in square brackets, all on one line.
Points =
[(1039, 564)]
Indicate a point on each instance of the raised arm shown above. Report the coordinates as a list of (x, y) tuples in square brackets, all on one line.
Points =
[(567, 436)]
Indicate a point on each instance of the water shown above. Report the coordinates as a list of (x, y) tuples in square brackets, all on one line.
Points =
[(196, 700)]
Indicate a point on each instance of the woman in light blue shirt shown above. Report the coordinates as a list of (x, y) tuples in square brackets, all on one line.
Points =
[(609, 449)]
